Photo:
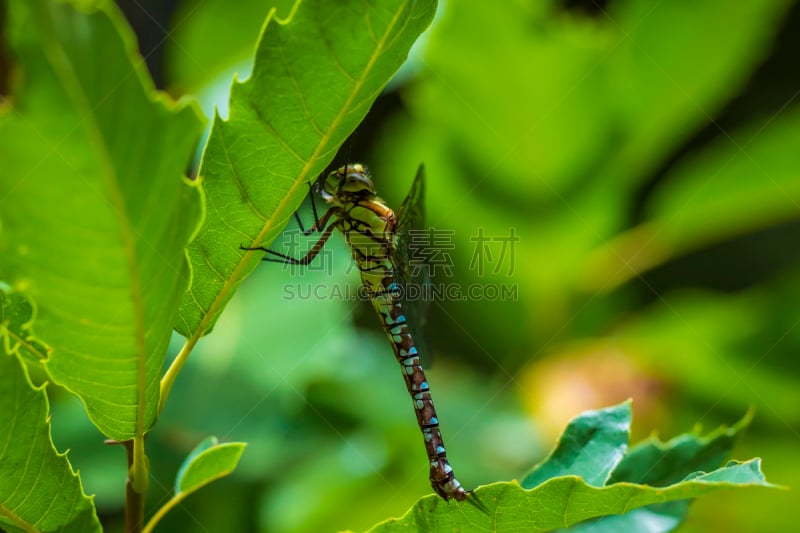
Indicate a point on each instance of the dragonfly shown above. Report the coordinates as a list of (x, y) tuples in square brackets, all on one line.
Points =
[(379, 240)]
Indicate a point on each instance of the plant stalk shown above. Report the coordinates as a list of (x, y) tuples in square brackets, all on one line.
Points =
[(134, 499), (174, 369)]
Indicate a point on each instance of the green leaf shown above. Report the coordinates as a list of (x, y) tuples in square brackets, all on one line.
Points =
[(96, 213), (563, 501), (38, 489), (207, 462), (661, 464), (315, 77), (743, 182), (618, 98), (591, 447), (675, 471), (656, 518)]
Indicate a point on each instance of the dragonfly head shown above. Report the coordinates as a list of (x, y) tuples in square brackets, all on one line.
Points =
[(351, 181)]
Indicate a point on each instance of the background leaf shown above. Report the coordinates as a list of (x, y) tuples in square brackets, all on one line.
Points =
[(574, 151), (662, 97), (591, 447), (95, 211), (312, 83), (39, 491)]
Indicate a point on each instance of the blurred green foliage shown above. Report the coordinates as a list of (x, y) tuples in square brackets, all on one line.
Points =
[(650, 174)]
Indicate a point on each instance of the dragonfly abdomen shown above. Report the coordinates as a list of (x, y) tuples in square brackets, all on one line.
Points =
[(394, 321)]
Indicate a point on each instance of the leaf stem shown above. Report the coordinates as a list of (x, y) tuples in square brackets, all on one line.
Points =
[(167, 507), (175, 367), (141, 468)]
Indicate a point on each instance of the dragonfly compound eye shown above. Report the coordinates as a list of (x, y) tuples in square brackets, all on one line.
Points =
[(357, 183)]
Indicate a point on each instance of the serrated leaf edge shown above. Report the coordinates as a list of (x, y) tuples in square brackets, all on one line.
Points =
[(505, 486), (26, 342), (75, 474)]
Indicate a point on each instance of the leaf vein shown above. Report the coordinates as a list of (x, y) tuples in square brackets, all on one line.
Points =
[(265, 123), (239, 184), (211, 266), (300, 94)]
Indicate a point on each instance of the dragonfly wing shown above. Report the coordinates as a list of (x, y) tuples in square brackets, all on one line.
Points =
[(411, 214), (409, 257)]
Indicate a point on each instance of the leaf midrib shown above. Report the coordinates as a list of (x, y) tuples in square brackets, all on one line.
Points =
[(16, 520), (66, 73)]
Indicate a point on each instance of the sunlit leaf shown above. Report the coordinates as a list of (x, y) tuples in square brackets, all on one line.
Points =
[(95, 211), (315, 77)]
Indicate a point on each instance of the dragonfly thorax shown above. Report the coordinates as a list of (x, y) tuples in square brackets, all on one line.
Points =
[(348, 183)]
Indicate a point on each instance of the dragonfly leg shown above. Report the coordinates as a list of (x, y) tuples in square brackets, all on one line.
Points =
[(318, 222), (303, 230), (277, 257)]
